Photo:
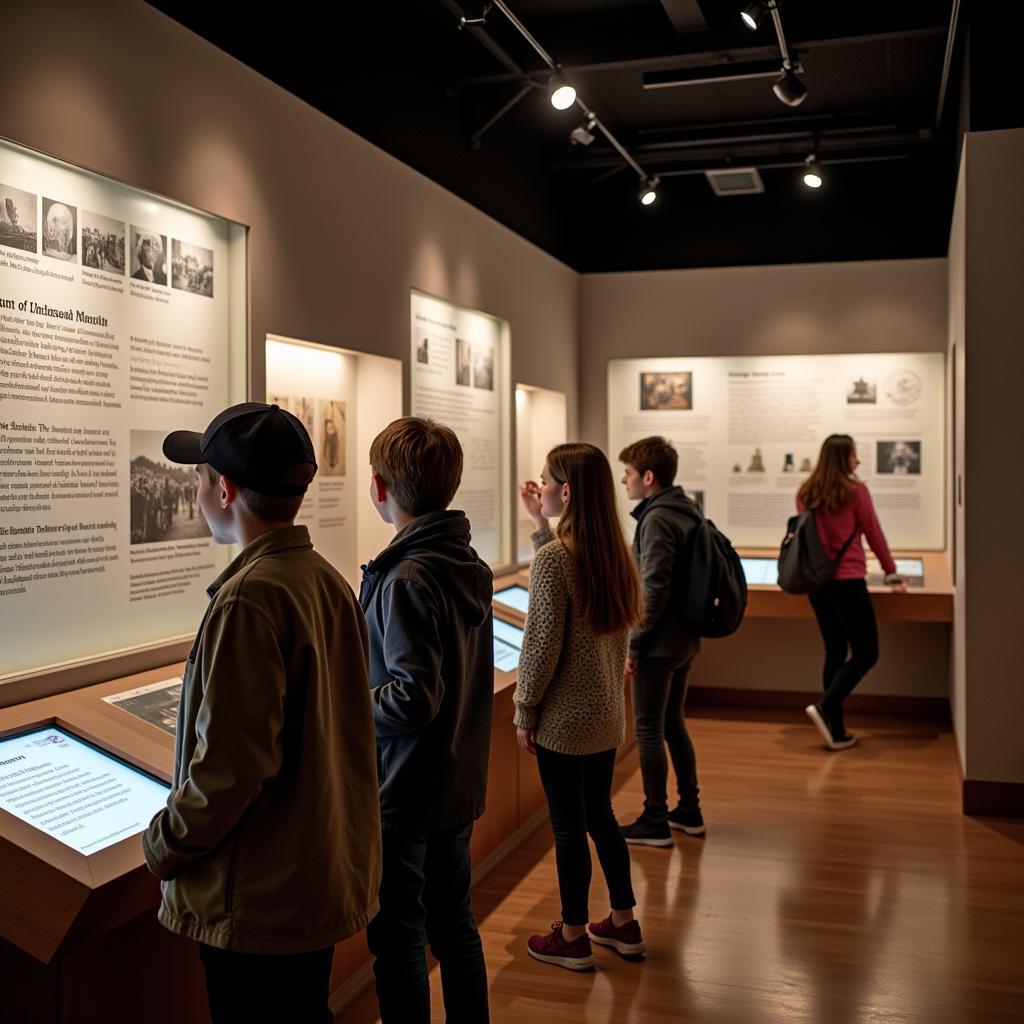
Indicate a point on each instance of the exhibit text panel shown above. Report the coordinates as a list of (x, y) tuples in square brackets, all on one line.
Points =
[(748, 431)]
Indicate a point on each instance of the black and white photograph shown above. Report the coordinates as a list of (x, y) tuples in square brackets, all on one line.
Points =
[(60, 230), (305, 409), (666, 391), (463, 363), (423, 352), (862, 392), (483, 368), (18, 219), (281, 401), (164, 495), (898, 458), (331, 456), (191, 268), (103, 243), (149, 256)]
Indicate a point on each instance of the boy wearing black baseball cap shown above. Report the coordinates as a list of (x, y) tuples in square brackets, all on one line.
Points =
[(269, 847)]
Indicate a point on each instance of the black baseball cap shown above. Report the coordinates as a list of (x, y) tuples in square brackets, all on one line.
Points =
[(262, 447)]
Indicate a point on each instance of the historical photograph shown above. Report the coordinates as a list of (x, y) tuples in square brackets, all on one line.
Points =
[(483, 368), (164, 496), (102, 243), (463, 363), (423, 351), (666, 391), (331, 456), (281, 401), (305, 409), (18, 219), (149, 256), (899, 458), (862, 392), (60, 230), (191, 268)]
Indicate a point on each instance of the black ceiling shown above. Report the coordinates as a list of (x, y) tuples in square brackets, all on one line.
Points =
[(407, 78)]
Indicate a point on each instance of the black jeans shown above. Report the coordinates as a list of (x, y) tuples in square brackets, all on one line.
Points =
[(847, 623), (250, 988), (579, 792), (424, 897), (659, 699)]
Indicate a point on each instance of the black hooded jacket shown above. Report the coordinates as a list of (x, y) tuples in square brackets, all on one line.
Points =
[(427, 600)]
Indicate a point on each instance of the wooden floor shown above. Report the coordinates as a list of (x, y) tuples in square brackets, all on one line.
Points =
[(841, 888)]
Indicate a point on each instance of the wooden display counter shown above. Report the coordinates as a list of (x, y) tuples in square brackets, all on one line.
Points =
[(79, 939)]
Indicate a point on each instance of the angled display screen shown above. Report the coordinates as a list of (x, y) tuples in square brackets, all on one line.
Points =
[(506, 657), (760, 570), (514, 597), (74, 792), (509, 634)]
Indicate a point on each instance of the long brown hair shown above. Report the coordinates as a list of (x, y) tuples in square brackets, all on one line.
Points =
[(831, 487), (607, 583)]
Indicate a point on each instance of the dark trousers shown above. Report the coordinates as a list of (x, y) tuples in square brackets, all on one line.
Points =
[(250, 988), (847, 623), (659, 700), (424, 897), (579, 792)]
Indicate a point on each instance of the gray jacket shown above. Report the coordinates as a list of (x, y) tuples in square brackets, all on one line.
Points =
[(664, 523), (270, 842)]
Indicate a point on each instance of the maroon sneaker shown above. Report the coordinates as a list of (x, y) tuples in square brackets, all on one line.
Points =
[(625, 939), (553, 949)]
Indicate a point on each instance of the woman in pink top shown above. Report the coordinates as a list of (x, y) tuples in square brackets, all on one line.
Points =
[(843, 512)]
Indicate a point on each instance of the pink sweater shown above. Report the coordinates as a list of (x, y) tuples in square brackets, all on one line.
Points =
[(833, 530)]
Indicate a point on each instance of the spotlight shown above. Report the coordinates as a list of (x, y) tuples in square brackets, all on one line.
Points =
[(583, 134), (813, 178), (649, 191), (561, 93), (752, 14), (789, 88)]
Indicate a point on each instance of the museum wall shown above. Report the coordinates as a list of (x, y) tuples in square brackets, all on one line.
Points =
[(993, 485), (878, 306), (340, 231)]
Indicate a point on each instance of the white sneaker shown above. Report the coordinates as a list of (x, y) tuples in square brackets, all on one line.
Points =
[(814, 714)]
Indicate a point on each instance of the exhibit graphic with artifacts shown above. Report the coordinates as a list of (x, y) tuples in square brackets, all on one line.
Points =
[(748, 431), (103, 548), (344, 398), (459, 361)]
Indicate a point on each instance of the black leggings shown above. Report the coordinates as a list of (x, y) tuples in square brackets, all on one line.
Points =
[(579, 792), (847, 623)]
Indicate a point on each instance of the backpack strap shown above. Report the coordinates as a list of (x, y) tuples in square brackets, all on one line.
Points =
[(849, 540)]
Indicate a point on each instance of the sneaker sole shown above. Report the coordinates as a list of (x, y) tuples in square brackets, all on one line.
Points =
[(667, 841), (820, 724), (843, 744), (627, 950), (690, 830), (570, 963)]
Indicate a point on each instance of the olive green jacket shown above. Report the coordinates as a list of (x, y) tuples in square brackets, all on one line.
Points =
[(270, 841)]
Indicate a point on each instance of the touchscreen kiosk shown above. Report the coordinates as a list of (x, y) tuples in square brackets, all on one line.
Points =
[(760, 570), (514, 597), (73, 791), (508, 640), (911, 569)]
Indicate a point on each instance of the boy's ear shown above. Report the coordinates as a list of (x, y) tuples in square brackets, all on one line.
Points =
[(228, 491), (648, 478), (380, 489)]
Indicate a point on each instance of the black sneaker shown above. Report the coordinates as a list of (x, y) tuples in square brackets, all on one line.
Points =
[(690, 822), (644, 832)]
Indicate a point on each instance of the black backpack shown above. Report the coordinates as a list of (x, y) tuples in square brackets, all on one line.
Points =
[(716, 590), (803, 565)]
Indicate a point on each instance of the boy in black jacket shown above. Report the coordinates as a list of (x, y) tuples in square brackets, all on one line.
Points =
[(427, 600)]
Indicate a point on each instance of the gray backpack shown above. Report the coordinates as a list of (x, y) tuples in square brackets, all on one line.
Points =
[(803, 565)]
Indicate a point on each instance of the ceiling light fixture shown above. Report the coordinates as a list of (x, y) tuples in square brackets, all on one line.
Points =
[(813, 178), (752, 14), (648, 191), (788, 88), (583, 133), (561, 93)]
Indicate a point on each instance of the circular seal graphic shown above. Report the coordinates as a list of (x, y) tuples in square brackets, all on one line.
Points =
[(903, 387)]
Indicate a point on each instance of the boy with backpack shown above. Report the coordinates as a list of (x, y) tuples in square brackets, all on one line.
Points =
[(662, 648), (427, 600)]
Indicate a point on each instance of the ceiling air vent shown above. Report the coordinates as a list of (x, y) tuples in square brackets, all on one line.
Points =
[(735, 181)]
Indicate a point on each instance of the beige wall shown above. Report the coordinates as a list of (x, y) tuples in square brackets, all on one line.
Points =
[(993, 485), (340, 232)]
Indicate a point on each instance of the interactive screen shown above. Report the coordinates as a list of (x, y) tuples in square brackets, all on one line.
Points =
[(72, 791), (911, 569), (760, 570), (514, 597), (511, 635), (506, 657)]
